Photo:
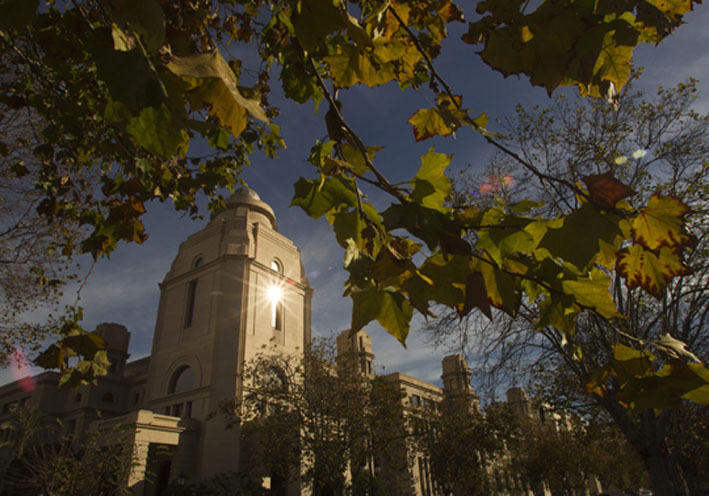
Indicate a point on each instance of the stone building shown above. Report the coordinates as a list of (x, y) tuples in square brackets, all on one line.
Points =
[(235, 288)]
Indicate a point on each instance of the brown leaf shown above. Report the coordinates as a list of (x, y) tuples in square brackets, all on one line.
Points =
[(605, 190)]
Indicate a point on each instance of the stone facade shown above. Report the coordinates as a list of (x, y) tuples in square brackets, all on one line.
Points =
[(235, 288)]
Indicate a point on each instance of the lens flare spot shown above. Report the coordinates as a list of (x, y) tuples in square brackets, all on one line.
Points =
[(21, 370), (275, 293)]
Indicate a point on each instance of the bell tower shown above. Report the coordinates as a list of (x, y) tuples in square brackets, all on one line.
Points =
[(235, 286)]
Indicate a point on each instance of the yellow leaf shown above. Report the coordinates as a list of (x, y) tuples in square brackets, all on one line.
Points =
[(643, 268), (661, 223), (211, 65), (428, 123)]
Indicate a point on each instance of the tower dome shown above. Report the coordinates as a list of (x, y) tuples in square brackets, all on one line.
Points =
[(246, 192), (247, 197)]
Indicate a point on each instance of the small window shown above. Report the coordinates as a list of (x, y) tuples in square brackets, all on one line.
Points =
[(191, 296), (77, 398), (136, 398), (277, 315), (276, 266), (361, 343), (107, 398), (188, 410), (182, 380), (415, 400), (198, 262), (177, 410)]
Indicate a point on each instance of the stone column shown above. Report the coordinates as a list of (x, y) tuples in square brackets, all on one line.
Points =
[(136, 479)]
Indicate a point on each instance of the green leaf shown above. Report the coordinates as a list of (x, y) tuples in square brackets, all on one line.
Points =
[(559, 312), (348, 227), (391, 309), (299, 85), (578, 239), (86, 344), (426, 224), (502, 289), (146, 18), (356, 160), (593, 292), (431, 185), (130, 78), (476, 295), (319, 198), (506, 235), (313, 20), (155, 129)]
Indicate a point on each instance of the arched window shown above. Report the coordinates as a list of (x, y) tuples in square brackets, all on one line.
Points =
[(182, 380), (198, 261), (277, 266)]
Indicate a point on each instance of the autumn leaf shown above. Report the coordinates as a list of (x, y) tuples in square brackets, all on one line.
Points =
[(605, 190), (661, 223), (211, 65), (648, 270)]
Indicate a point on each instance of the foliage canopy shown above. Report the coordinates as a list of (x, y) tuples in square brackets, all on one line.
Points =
[(122, 92)]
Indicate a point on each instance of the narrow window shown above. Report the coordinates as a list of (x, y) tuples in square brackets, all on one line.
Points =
[(188, 410), (177, 410), (191, 294), (136, 398), (361, 344), (277, 315)]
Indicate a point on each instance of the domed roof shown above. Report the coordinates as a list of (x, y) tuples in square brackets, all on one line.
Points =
[(246, 196), (246, 192)]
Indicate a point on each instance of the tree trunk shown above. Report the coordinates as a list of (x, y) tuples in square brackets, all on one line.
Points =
[(646, 433)]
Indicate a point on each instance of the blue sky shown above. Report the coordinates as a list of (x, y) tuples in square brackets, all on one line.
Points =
[(124, 289)]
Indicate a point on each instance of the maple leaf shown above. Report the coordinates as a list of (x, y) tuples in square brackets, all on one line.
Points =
[(643, 268), (661, 223), (605, 190)]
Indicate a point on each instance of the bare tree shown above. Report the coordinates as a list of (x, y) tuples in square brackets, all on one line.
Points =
[(653, 146)]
